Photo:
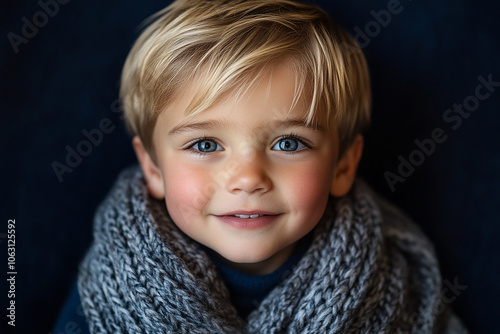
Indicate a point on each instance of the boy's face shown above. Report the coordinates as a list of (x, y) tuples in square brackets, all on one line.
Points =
[(246, 177)]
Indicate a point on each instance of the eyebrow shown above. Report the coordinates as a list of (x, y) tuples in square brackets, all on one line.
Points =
[(205, 125), (217, 124), (296, 123)]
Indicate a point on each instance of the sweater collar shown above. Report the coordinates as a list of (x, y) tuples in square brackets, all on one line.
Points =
[(246, 290)]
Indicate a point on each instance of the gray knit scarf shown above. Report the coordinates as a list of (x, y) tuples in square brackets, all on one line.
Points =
[(368, 270)]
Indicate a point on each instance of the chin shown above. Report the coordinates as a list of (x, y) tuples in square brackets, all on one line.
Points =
[(251, 262), (245, 257)]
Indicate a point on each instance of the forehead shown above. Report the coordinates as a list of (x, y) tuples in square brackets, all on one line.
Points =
[(276, 92)]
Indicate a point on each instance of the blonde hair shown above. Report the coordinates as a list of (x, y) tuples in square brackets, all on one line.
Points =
[(229, 44)]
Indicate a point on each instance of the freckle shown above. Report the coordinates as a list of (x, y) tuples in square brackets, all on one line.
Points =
[(209, 189), (219, 177), (232, 167)]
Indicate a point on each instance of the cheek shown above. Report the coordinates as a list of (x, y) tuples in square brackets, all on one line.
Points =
[(187, 192), (308, 188)]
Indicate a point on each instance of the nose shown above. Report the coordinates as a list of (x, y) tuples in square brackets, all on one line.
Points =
[(249, 175)]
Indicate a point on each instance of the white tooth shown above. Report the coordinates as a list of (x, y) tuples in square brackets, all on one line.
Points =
[(254, 215), (242, 216)]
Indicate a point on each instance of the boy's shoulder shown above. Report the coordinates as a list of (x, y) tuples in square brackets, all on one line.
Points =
[(72, 318)]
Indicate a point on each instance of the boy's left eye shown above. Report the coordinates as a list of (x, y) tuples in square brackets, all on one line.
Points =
[(289, 145)]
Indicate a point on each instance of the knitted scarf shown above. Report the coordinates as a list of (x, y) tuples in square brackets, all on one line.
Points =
[(368, 270)]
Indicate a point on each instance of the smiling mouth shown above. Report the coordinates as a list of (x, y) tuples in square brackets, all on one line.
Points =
[(256, 215), (248, 214), (248, 220)]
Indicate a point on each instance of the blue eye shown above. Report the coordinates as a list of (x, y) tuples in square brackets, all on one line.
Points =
[(206, 146), (289, 145)]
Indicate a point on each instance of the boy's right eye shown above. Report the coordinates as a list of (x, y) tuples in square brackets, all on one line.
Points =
[(206, 146)]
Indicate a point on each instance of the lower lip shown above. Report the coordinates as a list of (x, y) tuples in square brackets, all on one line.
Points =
[(248, 223)]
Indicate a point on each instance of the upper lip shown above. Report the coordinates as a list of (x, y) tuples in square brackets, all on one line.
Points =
[(248, 213)]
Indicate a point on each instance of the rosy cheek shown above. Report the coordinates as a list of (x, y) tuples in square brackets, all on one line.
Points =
[(186, 195), (309, 191)]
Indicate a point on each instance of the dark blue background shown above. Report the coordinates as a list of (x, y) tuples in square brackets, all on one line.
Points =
[(66, 78)]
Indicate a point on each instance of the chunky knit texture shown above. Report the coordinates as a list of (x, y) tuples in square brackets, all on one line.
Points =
[(368, 270)]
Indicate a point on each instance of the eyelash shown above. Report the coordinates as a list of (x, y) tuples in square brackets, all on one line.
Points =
[(191, 144), (294, 136)]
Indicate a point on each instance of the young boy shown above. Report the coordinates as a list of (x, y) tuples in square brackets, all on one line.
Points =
[(245, 215)]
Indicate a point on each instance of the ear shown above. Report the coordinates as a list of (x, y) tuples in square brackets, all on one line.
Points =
[(152, 174), (345, 171)]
